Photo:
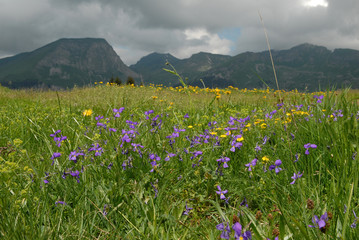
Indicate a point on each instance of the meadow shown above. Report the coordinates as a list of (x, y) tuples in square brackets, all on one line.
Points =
[(134, 162)]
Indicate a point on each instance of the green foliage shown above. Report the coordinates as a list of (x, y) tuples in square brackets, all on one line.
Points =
[(122, 192)]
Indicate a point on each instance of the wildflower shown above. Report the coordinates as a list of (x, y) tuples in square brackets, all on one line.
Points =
[(186, 116), (105, 209), (237, 227), (251, 164), (225, 230), (224, 160), (276, 165), (265, 140), (307, 146), (319, 222), (57, 139), (55, 155), (265, 159), (60, 202), (320, 98), (244, 203), (296, 176), (154, 188), (98, 150), (257, 148), (221, 193), (354, 225), (169, 155), (87, 112), (73, 156), (147, 113), (76, 174), (118, 111), (186, 212)]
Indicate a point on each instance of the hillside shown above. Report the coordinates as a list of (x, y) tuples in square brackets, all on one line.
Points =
[(302, 67), (64, 64)]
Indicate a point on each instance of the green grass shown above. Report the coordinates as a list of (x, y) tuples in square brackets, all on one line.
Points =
[(144, 204)]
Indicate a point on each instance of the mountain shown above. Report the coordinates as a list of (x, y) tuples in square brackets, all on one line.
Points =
[(151, 67), (78, 62), (63, 64), (305, 66)]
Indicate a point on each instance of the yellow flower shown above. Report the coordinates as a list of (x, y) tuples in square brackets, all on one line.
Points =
[(240, 139), (223, 136), (213, 133), (190, 126), (263, 125), (87, 112), (17, 142), (154, 97), (265, 159)]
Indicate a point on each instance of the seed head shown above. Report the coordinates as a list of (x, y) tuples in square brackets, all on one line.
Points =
[(259, 215), (310, 204), (275, 232), (235, 219)]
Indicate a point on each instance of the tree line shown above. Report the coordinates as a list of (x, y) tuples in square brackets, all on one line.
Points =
[(130, 80)]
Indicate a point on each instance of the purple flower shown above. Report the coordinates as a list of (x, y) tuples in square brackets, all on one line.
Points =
[(225, 230), (320, 98), (257, 148), (57, 139), (244, 203), (76, 174), (118, 111), (354, 224), (224, 160), (296, 176), (196, 154), (105, 209), (319, 222), (55, 155), (98, 150), (237, 227), (308, 146), (276, 167), (60, 202), (251, 164), (169, 155), (186, 212), (221, 193), (186, 116), (73, 156)]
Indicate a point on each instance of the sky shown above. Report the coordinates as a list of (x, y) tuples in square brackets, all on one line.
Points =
[(136, 28)]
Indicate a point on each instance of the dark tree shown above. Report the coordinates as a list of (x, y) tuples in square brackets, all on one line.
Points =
[(130, 81), (118, 81)]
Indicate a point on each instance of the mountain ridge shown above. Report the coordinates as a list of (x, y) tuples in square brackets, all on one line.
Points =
[(70, 62), (62, 64)]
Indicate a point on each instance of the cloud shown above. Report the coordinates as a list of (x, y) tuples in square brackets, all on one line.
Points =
[(180, 27)]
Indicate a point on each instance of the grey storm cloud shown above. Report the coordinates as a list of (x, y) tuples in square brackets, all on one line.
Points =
[(183, 27)]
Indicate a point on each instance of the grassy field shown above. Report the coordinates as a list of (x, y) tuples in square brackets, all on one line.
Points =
[(129, 162)]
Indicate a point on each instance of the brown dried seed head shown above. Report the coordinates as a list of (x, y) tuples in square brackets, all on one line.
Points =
[(270, 216), (259, 215), (310, 204), (275, 232), (235, 219), (330, 215)]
